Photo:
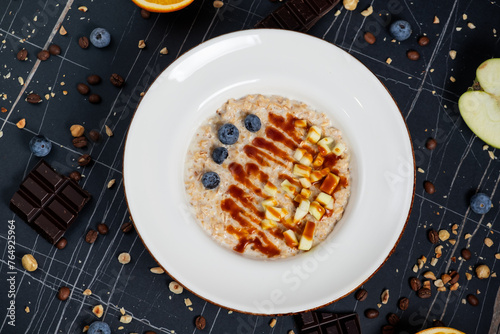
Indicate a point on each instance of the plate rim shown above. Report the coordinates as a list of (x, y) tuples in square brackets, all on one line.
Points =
[(393, 249)]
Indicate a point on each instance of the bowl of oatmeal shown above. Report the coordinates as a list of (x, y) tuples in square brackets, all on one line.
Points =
[(226, 238)]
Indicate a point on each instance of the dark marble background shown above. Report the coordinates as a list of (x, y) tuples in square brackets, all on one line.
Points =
[(459, 166)]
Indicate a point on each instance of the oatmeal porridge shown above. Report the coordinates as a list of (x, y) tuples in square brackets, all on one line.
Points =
[(267, 177)]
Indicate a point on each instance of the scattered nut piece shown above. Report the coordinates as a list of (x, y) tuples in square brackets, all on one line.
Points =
[(444, 235), (385, 296), (464, 17), (62, 31), (439, 283), (29, 263), (21, 124), (497, 256), (427, 284), (368, 11), (3, 109), (471, 25), (109, 132), (415, 268), (467, 236), (126, 319), (445, 278), (218, 4), (124, 258), (98, 310), (21, 80), (273, 322), (454, 287), (453, 55), (142, 44), (420, 170), (482, 271), (458, 28), (77, 130), (388, 61), (350, 4), (157, 270), (442, 289), (488, 242), (337, 13), (164, 51), (492, 155), (468, 276), (452, 241), (436, 20), (188, 302), (87, 292), (485, 147), (111, 183), (85, 329), (438, 250), (494, 275), (421, 262), (454, 227), (27, 309), (122, 311), (83, 9), (452, 79), (434, 261), (175, 287), (430, 275)]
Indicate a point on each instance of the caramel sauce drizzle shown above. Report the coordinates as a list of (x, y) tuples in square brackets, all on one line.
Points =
[(276, 135), (253, 170), (258, 155), (242, 197), (290, 179), (241, 176), (269, 146), (330, 161), (288, 125)]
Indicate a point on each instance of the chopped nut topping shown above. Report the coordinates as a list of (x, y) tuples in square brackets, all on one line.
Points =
[(109, 132), (175, 287), (124, 258), (272, 323), (430, 275), (368, 11), (434, 261), (111, 183), (468, 276), (444, 235), (385, 296), (62, 31), (157, 270), (454, 287), (187, 302), (467, 236), (488, 242), (126, 319), (98, 310), (164, 51), (471, 25), (218, 4), (87, 292), (439, 283), (83, 9), (436, 20), (141, 44), (453, 55)]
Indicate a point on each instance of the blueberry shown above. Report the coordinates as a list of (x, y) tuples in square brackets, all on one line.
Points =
[(228, 134), (210, 180), (40, 146), (99, 327), (252, 123), (100, 37), (219, 154), (480, 203), (400, 30)]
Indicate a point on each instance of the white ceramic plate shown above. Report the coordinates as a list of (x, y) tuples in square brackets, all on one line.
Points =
[(299, 67)]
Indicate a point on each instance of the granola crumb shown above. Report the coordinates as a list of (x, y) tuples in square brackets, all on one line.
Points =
[(453, 54), (471, 25), (436, 20)]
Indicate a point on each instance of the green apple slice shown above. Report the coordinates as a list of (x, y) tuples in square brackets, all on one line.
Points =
[(480, 109)]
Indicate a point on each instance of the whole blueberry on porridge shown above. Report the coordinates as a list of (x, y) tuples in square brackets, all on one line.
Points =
[(284, 180)]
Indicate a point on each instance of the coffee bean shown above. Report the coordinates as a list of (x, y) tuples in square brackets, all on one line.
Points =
[(82, 88), (415, 284), (361, 295), (61, 244), (83, 42), (371, 313), (22, 55), (116, 80), (91, 236), (54, 49), (43, 55), (423, 40), (94, 135), (424, 293), (404, 303), (200, 322), (102, 228), (438, 323), (94, 98), (413, 55), (145, 14), (433, 236), (63, 293), (84, 160), (466, 254), (33, 98), (393, 319), (387, 329), (75, 176), (454, 277), (94, 79), (431, 144), (471, 299), (127, 227), (429, 187), (369, 37), (80, 142)]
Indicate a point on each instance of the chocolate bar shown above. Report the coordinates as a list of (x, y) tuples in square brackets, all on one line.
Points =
[(48, 201), (328, 323), (297, 15)]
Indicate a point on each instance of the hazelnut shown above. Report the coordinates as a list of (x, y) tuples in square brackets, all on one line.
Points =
[(77, 130), (124, 258), (29, 263), (483, 271), (98, 310)]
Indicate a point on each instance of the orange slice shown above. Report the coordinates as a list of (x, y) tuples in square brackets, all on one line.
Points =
[(440, 330), (162, 6)]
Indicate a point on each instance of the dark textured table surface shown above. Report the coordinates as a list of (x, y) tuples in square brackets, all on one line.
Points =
[(425, 91)]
